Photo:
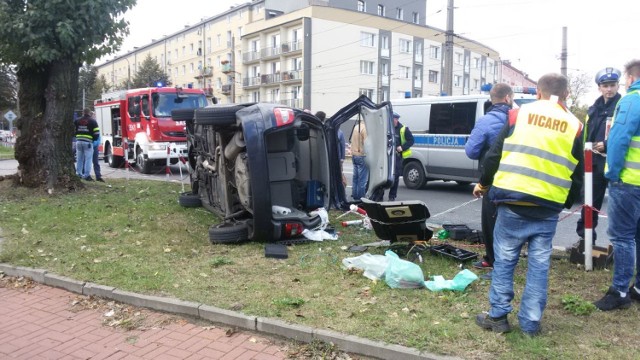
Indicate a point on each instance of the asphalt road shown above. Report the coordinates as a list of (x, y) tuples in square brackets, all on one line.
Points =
[(448, 202)]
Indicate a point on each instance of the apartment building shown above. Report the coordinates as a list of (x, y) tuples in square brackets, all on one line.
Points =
[(313, 54)]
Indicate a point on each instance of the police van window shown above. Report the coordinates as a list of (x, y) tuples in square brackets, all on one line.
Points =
[(456, 118)]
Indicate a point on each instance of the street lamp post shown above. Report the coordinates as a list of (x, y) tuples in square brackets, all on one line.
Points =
[(128, 73)]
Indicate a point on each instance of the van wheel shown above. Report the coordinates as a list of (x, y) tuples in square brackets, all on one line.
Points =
[(217, 116), (413, 175), (189, 199), (228, 233)]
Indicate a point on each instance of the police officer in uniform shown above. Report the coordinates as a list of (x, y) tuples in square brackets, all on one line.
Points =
[(534, 169), (594, 132), (404, 139)]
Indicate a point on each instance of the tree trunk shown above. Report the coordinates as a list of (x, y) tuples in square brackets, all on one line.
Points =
[(43, 147)]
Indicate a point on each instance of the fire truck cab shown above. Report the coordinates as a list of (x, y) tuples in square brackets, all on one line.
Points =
[(136, 125)]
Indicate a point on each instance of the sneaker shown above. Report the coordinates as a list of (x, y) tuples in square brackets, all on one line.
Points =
[(612, 301), (532, 334), (392, 199), (88, 178), (499, 325), (486, 276), (634, 294), (482, 265), (100, 179)]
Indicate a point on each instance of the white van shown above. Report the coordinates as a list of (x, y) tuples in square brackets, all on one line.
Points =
[(441, 126)]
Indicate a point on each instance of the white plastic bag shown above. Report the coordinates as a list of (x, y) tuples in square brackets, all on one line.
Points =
[(373, 265)]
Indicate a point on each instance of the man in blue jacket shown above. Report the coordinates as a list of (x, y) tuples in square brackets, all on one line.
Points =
[(623, 172), (482, 136)]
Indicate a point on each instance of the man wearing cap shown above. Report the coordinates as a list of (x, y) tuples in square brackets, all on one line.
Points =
[(623, 172), (595, 132), (404, 139)]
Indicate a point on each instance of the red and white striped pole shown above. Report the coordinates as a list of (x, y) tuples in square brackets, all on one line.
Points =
[(167, 169), (588, 206), (125, 148)]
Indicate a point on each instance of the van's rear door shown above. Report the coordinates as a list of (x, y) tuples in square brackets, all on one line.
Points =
[(379, 145)]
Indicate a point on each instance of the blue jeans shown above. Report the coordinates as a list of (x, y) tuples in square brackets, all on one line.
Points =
[(84, 157), (512, 231), (360, 177), (624, 233)]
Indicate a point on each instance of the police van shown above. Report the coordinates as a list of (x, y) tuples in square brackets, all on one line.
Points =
[(441, 126)]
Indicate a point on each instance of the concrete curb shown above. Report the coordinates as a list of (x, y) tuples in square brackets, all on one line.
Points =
[(348, 343)]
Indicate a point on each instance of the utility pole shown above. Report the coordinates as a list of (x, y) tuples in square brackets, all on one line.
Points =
[(563, 53), (447, 78)]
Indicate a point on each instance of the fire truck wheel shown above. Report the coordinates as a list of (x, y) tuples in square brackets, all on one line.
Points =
[(413, 175), (113, 160), (144, 165), (217, 116), (189, 199), (182, 114), (228, 233)]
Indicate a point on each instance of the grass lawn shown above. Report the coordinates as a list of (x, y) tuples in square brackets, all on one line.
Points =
[(6, 152), (136, 237)]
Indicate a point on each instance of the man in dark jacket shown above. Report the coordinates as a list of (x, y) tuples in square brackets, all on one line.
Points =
[(87, 131), (482, 136), (594, 132)]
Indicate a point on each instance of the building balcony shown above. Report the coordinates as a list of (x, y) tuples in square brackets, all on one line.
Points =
[(227, 68), (205, 72), (417, 84), (293, 46), (226, 89), (294, 75), (270, 79), (294, 103), (251, 81), (208, 91), (384, 80), (270, 52), (250, 57)]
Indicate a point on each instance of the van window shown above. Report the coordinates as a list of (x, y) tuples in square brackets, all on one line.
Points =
[(453, 118)]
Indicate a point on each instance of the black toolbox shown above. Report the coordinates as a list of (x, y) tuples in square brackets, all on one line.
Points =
[(457, 231), (453, 252)]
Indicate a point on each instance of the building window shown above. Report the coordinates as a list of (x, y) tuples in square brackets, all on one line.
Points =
[(384, 42), (381, 10), (457, 80), (366, 67), (476, 63), (184, 69), (458, 58), (405, 46), (184, 51), (362, 6), (191, 68), (415, 17), (434, 52), (417, 74), (404, 72), (367, 92), (191, 49), (433, 76), (399, 14), (384, 69), (367, 39), (476, 84)]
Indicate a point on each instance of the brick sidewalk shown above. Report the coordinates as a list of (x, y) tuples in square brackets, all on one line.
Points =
[(42, 322)]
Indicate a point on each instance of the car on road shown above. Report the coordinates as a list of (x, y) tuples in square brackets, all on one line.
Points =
[(265, 168)]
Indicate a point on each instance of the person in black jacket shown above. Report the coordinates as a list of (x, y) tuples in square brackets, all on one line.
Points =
[(87, 131), (594, 132)]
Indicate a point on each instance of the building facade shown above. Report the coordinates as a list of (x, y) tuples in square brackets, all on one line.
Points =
[(313, 54)]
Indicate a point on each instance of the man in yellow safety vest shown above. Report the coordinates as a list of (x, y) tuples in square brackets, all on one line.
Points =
[(534, 169)]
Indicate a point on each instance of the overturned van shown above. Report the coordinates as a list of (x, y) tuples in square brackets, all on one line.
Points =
[(264, 168), (441, 126)]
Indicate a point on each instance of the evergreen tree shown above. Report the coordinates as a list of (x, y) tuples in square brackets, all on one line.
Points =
[(149, 74)]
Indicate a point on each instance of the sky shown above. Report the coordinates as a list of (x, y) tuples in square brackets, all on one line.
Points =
[(526, 32)]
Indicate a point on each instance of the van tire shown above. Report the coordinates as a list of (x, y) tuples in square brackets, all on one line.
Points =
[(413, 175), (228, 233), (182, 114), (222, 116), (189, 200)]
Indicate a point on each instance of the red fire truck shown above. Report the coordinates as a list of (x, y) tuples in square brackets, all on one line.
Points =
[(136, 124)]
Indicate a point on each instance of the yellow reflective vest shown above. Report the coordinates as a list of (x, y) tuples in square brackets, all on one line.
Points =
[(630, 172), (406, 153), (536, 158)]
